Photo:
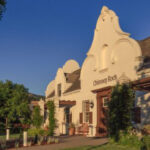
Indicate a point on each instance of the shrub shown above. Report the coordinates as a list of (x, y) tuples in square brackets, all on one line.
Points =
[(52, 120), (40, 132), (130, 140), (120, 109), (37, 118), (146, 143), (33, 132), (3, 145)]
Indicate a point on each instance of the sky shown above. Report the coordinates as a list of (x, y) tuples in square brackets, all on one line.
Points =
[(39, 36)]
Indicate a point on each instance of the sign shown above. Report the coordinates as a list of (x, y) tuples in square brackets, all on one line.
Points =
[(105, 80)]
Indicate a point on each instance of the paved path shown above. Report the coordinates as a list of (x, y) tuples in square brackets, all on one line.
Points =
[(70, 142)]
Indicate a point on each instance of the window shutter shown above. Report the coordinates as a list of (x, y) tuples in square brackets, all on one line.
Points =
[(81, 118), (137, 115), (90, 117)]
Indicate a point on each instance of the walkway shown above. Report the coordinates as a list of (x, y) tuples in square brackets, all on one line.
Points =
[(70, 142)]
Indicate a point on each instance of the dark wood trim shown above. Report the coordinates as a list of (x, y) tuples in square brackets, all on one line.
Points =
[(141, 84), (101, 93), (63, 103), (102, 89)]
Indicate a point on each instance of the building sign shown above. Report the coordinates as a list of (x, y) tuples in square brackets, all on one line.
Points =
[(105, 80)]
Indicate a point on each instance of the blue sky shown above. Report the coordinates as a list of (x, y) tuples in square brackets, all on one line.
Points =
[(39, 36)]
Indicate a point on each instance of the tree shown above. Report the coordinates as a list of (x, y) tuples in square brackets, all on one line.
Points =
[(120, 109), (52, 120), (37, 118), (2, 7), (14, 103)]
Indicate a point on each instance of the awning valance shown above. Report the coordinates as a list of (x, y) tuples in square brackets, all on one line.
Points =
[(63, 103)]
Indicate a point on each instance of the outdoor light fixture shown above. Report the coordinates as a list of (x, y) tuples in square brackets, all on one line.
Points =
[(91, 104)]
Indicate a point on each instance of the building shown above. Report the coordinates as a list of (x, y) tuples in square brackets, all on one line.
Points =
[(81, 94)]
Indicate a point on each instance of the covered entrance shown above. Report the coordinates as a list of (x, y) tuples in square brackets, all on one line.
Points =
[(103, 96), (67, 114)]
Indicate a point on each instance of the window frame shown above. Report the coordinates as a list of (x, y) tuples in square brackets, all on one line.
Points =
[(86, 111), (104, 103)]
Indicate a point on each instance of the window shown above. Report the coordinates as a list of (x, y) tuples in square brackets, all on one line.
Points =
[(104, 57), (59, 90), (86, 111), (105, 101)]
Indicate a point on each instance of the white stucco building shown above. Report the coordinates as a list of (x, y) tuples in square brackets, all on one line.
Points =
[(81, 93)]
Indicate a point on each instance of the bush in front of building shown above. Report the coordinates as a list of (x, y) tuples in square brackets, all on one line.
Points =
[(37, 118), (120, 110), (146, 143), (130, 140)]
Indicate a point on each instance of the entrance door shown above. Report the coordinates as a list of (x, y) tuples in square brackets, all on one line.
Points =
[(67, 113), (102, 113)]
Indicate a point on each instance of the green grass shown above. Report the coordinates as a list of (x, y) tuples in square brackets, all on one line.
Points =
[(103, 147), (12, 136)]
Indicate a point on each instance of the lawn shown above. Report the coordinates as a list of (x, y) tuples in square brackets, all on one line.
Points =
[(12, 136), (103, 147)]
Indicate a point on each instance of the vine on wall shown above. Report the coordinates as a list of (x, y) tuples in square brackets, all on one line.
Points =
[(52, 120)]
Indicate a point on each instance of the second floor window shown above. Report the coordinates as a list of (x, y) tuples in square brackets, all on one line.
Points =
[(59, 89)]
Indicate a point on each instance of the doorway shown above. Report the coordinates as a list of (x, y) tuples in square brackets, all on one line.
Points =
[(103, 97)]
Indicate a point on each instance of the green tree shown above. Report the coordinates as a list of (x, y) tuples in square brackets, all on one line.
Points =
[(37, 118), (52, 120), (14, 103), (120, 109), (2, 7)]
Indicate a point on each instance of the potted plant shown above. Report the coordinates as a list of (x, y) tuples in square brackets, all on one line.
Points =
[(71, 129)]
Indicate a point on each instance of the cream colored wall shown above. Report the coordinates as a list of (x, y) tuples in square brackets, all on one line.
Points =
[(50, 88), (120, 51), (112, 53)]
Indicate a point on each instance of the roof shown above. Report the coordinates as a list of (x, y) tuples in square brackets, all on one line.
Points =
[(52, 94), (35, 103), (145, 48), (73, 78)]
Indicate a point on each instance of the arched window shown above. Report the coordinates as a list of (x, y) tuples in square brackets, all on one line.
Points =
[(104, 57)]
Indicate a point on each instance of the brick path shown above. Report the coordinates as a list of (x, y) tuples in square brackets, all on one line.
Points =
[(69, 142)]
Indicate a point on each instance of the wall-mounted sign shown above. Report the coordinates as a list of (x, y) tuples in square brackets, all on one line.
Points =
[(105, 80)]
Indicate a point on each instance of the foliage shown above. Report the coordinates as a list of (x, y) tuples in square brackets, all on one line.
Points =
[(52, 121), (130, 140), (34, 131), (120, 109), (37, 118), (146, 143), (2, 7), (14, 103)]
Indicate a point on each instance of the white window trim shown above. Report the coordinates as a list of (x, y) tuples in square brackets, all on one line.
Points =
[(103, 101)]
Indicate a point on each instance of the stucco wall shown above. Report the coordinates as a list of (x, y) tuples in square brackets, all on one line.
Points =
[(112, 57)]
